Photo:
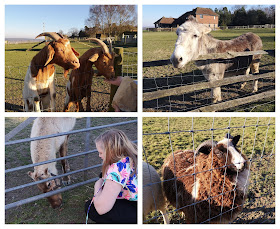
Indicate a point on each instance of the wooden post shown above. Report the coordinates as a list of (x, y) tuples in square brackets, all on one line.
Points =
[(118, 71)]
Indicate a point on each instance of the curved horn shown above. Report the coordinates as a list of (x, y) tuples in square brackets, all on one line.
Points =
[(110, 45), (60, 35), (205, 147), (101, 43), (52, 35)]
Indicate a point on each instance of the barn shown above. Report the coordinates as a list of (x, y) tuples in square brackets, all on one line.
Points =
[(164, 22), (203, 15)]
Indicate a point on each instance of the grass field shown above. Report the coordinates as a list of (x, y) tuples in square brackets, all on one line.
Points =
[(17, 60), (160, 45), (72, 210), (258, 136)]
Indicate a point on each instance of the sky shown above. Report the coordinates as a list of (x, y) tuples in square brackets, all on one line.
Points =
[(26, 21), (152, 13)]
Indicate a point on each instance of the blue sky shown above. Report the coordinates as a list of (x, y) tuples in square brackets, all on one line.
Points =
[(151, 13), (26, 21)]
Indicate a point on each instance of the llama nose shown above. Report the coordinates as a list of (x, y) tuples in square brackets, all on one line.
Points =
[(180, 59)]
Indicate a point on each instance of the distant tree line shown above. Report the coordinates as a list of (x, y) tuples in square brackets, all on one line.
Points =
[(111, 20), (239, 16)]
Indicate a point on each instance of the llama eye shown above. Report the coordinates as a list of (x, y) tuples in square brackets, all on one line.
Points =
[(49, 184), (195, 36)]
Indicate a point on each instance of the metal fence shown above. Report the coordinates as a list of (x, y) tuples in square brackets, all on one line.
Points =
[(190, 91), (166, 136), (100, 90), (88, 158)]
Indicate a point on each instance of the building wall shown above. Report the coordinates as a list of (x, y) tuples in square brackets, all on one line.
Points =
[(208, 20)]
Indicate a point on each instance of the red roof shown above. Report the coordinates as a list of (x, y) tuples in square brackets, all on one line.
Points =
[(205, 11), (165, 20)]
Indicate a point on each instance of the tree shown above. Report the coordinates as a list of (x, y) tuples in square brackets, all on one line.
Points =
[(270, 13), (82, 33), (112, 19), (73, 32), (224, 16), (61, 32), (240, 16)]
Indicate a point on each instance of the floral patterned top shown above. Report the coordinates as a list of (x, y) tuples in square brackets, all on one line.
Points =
[(120, 172)]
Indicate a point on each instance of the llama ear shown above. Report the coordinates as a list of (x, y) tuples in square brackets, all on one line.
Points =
[(191, 18), (235, 140), (206, 29)]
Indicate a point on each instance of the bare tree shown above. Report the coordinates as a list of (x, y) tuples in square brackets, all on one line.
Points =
[(110, 18), (73, 32)]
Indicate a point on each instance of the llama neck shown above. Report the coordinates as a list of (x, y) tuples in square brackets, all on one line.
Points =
[(208, 44)]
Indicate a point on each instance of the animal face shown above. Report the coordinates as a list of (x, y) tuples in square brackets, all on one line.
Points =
[(55, 200), (64, 55), (188, 42), (105, 65), (224, 152), (227, 148)]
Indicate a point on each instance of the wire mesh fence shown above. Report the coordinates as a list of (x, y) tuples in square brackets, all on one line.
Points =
[(21, 194), (195, 192), (100, 90), (190, 91), (129, 67)]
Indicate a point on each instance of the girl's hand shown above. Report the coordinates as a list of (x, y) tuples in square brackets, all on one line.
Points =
[(117, 81)]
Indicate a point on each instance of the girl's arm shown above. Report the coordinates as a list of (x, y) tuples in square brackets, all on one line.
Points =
[(105, 199)]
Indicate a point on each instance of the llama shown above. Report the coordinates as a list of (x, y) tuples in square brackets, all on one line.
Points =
[(44, 150), (210, 184), (194, 40), (153, 198)]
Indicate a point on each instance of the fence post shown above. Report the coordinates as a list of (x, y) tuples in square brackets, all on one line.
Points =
[(118, 71), (87, 147)]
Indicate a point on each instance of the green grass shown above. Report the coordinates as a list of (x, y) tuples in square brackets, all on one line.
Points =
[(160, 45), (17, 60), (260, 148)]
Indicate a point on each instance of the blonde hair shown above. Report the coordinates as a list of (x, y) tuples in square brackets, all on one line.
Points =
[(116, 146)]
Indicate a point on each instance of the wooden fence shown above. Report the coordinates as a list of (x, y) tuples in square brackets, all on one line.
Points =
[(267, 26), (186, 89)]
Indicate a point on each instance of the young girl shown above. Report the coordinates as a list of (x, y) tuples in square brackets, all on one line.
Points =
[(116, 193)]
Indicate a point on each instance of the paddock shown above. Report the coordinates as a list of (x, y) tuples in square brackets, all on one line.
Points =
[(18, 58), (24, 203), (164, 136)]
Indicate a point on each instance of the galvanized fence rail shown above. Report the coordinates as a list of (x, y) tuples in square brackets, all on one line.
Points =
[(87, 151)]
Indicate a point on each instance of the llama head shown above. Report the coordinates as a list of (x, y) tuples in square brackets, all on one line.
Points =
[(225, 152), (188, 44), (55, 200)]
